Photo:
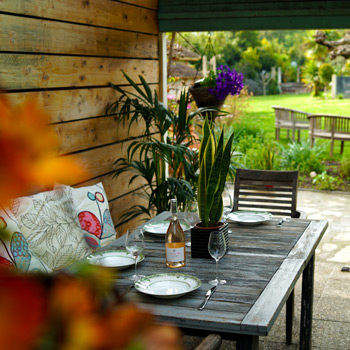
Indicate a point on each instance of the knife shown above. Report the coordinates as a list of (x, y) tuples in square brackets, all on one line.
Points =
[(208, 294)]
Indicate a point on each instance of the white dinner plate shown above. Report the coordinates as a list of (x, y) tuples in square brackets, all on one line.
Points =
[(168, 285), (249, 217), (120, 259), (160, 227)]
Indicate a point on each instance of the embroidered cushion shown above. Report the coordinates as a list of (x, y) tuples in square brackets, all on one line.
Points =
[(14, 249), (48, 223), (92, 210)]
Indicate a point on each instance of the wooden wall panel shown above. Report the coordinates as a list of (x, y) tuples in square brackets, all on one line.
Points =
[(64, 54), (115, 187), (20, 34), (118, 207), (96, 132), (70, 105), (99, 161), (19, 71), (103, 13), (152, 4)]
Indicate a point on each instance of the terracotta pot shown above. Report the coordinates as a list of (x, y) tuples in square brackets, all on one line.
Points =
[(200, 238)]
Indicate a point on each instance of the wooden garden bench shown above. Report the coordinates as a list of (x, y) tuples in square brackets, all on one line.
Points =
[(290, 119), (332, 127)]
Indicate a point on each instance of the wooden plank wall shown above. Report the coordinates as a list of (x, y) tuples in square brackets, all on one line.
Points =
[(64, 53)]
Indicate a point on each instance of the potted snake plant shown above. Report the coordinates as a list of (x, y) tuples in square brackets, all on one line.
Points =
[(214, 166)]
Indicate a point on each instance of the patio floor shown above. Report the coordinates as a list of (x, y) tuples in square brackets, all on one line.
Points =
[(331, 321)]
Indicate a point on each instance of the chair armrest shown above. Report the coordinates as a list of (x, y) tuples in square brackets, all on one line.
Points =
[(211, 342)]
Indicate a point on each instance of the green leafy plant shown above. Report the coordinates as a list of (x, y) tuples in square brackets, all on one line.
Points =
[(149, 156), (214, 164), (344, 168), (324, 181), (300, 156)]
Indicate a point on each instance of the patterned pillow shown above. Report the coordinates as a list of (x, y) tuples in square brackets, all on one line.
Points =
[(52, 230), (14, 250), (92, 210)]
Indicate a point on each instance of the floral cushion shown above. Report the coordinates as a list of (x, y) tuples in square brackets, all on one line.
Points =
[(92, 210), (48, 223), (14, 249)]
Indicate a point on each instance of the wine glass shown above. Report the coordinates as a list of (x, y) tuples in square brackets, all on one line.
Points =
[(226, 211), (217, 249), (134, 244), (190, 216)]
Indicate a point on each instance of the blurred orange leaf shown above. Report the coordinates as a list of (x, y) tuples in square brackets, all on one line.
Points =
[(28, 156)]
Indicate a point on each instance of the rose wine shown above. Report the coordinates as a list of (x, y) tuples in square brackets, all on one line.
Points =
[(175, 252)]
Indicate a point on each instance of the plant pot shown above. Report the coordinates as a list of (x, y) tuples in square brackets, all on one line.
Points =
[(200, 238), (204, 98)]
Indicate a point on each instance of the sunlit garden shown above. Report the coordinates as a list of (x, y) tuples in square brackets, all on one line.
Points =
[(254, 127)]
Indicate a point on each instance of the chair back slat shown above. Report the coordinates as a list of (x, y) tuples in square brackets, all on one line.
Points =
[(265, 190)]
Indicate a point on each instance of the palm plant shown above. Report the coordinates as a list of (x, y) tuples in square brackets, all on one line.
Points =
[(149, 156)]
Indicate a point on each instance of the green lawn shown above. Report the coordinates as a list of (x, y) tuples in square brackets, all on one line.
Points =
[(259, 111)]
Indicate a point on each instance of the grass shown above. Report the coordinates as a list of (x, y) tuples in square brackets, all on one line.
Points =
[(259, 111)]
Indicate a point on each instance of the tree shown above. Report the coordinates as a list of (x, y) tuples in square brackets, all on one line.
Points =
[(337, 48), (311, 77), (326, 71)]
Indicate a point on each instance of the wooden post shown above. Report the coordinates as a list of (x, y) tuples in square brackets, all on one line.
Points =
[(205, 66), (307, 305)]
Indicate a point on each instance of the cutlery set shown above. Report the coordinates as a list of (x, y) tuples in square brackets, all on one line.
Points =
[(208, 294)]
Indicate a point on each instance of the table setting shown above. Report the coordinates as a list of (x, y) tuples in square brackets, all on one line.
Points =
[(263, 263), (169, 284)]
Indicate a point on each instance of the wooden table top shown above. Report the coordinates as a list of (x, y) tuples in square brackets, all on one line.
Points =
[(262, 267)]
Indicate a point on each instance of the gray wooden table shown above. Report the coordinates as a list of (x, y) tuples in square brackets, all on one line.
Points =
[(262, 267)]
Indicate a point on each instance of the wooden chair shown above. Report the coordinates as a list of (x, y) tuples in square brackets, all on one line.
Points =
[(275, 192)]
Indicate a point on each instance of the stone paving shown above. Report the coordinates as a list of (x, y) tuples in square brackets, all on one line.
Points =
[(331, 316)]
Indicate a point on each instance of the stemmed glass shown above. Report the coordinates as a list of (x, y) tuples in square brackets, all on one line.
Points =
[(190, 216), (134, 244), (217, 249)]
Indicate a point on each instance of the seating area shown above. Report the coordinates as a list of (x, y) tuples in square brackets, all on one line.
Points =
[(323, 126)]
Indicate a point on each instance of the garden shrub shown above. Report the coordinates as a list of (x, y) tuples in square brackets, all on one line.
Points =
[(257, 153), (324, 181), (300, 156), (344, 168)]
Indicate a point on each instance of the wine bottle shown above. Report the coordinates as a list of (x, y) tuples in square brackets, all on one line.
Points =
[(175, 252)]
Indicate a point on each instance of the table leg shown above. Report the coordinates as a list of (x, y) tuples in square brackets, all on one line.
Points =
[(289, 318), (247, 342), (307, 305)]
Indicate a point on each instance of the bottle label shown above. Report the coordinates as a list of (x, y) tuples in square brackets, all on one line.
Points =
[(175, 251)]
